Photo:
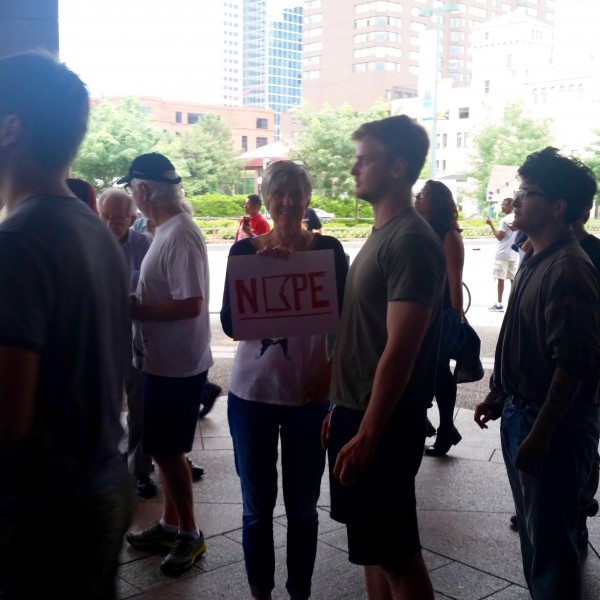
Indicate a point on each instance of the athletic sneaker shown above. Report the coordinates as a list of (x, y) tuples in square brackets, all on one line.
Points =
[(153, 539), (496, 307), (184, 553)]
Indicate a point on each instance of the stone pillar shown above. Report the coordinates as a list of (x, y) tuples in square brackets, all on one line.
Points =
[(28, 25)]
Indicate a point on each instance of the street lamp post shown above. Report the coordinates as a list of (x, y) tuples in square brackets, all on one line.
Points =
[(438, 22)]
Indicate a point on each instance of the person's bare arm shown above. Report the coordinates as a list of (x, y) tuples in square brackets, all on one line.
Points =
[(454, 252), (19, 373), (498, 234), (407, 323), (167, 310)]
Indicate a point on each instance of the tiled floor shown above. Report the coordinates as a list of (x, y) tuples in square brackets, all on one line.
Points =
[(464, 506)]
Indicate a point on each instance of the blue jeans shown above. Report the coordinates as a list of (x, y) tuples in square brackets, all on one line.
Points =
[(548, 501), (256, 428)]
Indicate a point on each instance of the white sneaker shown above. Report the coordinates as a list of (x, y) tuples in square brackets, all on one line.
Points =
[(496, 307)]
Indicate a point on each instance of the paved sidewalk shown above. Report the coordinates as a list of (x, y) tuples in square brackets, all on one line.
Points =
[(464, 507)]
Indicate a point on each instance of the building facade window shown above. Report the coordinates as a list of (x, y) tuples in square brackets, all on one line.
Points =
[(311, 60), (313, 47), (385, 6), (463, 113), (377, 52), (377, 22), (316, 18), (178, 117), (193, 118), (261, 141), (245, 143), (262, 123), (316, 74), (377, 36)]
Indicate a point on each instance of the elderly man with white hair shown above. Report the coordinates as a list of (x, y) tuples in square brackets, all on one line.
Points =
[(117, 209), (171, 333)]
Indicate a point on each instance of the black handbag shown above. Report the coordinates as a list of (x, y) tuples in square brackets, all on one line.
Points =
[(453, 335), (468, 364)]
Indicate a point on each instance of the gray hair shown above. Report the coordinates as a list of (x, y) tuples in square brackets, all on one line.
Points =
[(280, 172), (122, 194), (168, 195)]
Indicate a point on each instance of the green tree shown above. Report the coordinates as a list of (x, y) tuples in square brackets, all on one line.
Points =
[(507, 142), (117, 133), (204, 156), (326, 148), (592, 160)]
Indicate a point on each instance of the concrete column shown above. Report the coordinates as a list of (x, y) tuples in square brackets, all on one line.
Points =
[(28, 25)]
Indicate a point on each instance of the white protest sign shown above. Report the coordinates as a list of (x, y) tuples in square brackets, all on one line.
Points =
[(275, 297)]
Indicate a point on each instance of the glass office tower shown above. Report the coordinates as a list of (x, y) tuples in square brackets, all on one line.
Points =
[(272, 58)]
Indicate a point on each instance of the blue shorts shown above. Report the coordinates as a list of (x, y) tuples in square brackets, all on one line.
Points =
[(380, 511), (170, 408)]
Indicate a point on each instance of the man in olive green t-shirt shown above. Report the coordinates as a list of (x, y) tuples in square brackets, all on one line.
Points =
[(384, 364)]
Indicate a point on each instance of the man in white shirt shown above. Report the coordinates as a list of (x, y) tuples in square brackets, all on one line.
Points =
[(506, 262), (171, 332)]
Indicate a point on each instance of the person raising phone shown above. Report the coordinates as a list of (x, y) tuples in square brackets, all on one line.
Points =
[(254, 223)]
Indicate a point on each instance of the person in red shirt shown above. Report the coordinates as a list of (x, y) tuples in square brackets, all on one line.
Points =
[(254, 224)]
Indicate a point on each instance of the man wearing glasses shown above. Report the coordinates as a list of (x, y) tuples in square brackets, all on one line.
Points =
[(547, 373)]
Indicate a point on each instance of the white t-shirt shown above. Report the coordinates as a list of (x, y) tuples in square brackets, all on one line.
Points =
[(176, 266), (504, 251), (276, 371)]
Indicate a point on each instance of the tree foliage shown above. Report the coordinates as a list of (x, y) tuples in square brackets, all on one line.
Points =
[(592, 160), (507, 142), (326, 148), (117, 133), (204, 156)]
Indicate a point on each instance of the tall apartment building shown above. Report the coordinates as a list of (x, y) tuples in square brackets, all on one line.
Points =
[(361, 51), (272, 55)]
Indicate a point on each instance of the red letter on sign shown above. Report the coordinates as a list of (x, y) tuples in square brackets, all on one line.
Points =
[(314, 289), (243, 293), (299, 284)]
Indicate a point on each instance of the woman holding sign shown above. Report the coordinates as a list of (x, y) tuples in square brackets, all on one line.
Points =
[(269, 399)]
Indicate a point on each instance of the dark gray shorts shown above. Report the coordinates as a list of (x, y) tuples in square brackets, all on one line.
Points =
[(380, 511), (170, 408)]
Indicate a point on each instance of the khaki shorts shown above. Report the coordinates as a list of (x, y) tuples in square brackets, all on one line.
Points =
[(505, 269)]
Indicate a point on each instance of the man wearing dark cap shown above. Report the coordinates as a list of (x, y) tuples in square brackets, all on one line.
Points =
[(171, 338), (63, 320)]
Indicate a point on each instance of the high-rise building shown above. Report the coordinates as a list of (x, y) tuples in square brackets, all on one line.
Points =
[(272, 55), (361, 51)]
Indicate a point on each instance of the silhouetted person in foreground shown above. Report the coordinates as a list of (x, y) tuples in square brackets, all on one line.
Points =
[(63, 316)]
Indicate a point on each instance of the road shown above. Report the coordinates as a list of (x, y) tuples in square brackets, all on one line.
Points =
[(479, 257)]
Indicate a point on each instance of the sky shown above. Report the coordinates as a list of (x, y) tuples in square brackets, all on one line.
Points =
[(159, 47), (140, 47)]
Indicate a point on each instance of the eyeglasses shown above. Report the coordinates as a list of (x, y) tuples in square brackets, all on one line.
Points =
[(128, 188), (524, 195), (114, 219)]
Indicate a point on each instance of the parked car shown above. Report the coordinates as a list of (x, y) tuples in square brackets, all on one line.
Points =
[(323, 215)]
